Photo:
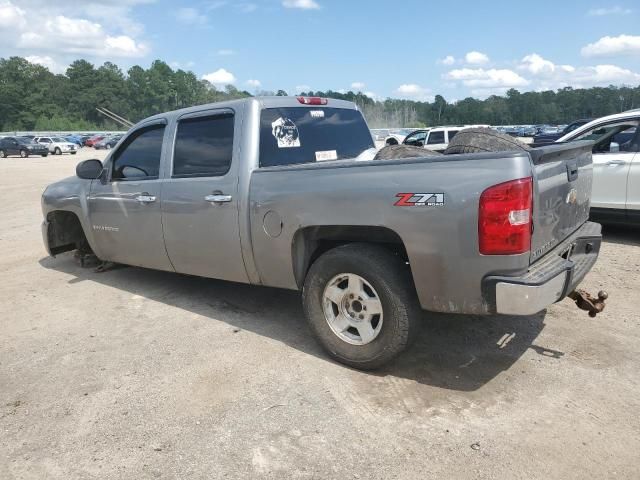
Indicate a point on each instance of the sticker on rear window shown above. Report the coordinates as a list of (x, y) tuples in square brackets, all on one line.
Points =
[(285, 132), (317, 113), (326, 155)]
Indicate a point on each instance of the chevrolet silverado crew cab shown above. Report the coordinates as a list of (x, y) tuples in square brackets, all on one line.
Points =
[(285, 192)]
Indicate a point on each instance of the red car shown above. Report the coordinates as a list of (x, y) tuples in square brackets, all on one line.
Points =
[(90, 142)]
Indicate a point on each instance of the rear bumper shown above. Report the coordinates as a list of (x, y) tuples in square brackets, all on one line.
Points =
[(548, 280)]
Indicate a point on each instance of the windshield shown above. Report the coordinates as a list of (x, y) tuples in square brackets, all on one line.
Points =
[(306, 135)]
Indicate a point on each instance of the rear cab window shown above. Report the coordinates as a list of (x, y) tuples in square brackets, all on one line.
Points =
[(295, 135), (436, 137)]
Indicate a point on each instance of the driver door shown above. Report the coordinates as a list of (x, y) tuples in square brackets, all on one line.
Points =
[(125, 205), (612, 158)]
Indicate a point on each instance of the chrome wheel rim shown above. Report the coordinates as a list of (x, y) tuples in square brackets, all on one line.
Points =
[(352, 308)]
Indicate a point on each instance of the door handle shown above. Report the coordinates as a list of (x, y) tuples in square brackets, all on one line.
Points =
[(218, 198), (145, 198), (615, 162)]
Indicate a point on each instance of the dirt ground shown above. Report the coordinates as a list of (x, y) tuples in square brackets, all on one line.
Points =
[(141, 374)]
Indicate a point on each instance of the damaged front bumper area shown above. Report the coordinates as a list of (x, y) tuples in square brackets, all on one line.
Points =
[(550, 279)]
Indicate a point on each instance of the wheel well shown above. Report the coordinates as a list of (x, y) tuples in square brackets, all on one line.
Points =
[(311, 242), (65, 233), (392, 141)]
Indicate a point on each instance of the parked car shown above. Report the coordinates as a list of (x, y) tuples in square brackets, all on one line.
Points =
[(550, 135), (91, 141), (261, 191), (616, 166), (57, 145), (76, 139), (22, 146), (397, 136), (108, 142)]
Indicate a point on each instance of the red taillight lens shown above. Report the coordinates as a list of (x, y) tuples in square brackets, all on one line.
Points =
[(504, 218), (312, 100)]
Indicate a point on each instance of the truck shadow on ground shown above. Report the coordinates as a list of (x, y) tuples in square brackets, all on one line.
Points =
[(621, 234), (457, 352)]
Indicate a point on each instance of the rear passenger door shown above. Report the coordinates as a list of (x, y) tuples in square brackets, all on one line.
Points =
[(436, 141), (200, 198)]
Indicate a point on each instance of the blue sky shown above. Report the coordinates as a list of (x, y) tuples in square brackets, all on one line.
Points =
[(403, 49)]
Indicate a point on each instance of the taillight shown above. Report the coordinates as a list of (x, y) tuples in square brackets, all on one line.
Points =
[(504, 218), (312, 100)]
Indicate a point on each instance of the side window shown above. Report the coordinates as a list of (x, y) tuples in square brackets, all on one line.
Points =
[(204, 146), (435, 138), (612, 138), (416, 138), (452, 133), (139, 157)]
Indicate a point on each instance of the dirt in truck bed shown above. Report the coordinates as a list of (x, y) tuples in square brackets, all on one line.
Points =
[(135, 373)]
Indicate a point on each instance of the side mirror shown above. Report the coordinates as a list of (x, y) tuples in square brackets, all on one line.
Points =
[(614, 147), (89, 169)]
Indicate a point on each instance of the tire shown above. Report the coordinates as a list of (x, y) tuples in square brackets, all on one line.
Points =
[(109, 146), (403, 151), (57, 151), (387, 280), (3, 154), (476, 140), (24, 154), (44, 154), (73, 153)]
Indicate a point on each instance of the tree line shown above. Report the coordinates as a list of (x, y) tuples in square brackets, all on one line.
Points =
[(34, 98)]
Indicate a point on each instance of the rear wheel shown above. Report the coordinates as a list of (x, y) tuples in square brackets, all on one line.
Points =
[(24, 153), (360, 303), (57, 151), (403, 151), (3, 154), (476, 140)]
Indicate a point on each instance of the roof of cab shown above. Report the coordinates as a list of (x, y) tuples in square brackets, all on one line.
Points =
[(263, 102)]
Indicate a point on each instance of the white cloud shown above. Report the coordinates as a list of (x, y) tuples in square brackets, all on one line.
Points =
[(448, 60), (47, 34), (612, 46), (358, 85), (480, 78), (371, 94), (476, 58), (190, 16), (12, 16), (535, 64), (302, 4), (414, 91), (254, 83), (48, 62), (617, 10), (548, 76), (220, 77), (225, 52)]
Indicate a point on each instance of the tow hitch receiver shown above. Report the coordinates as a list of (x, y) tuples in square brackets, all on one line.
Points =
[(585, 301)]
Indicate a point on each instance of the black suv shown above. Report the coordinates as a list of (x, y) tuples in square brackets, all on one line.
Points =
[(23, 146)]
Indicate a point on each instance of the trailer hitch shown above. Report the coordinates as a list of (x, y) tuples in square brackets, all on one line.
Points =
[(585, 301)]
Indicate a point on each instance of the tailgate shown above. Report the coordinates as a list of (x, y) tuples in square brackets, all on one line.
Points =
[(563, 175)]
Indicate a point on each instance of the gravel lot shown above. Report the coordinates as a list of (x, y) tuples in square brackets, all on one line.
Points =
[(139, 374)]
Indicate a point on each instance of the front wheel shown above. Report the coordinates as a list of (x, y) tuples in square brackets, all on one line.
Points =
[(3, 154), (58, 151), (361, 305), (24, 153)]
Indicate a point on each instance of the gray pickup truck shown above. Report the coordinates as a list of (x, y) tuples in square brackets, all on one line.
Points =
[(283, 192)]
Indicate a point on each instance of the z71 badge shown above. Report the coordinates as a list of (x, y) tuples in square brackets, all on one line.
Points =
[(420, 200)]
